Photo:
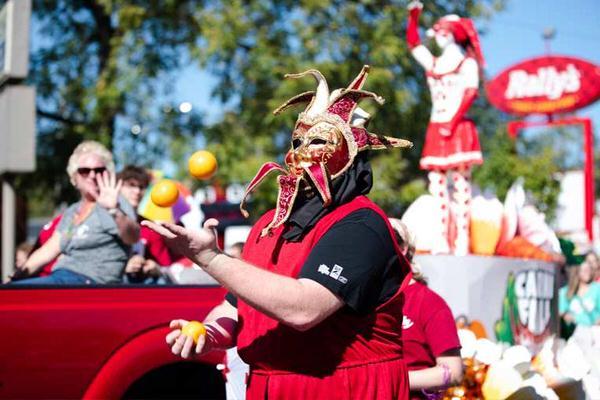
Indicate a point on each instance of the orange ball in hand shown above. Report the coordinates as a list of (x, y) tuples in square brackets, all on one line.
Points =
[(194, 329), (164, 193), (202, 164)]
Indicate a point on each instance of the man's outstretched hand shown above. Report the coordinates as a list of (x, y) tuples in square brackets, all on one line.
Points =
[(182, 345), (198, 246)]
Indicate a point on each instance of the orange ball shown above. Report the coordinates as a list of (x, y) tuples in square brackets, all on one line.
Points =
[(164, 193), (194, 329), (202, 164)]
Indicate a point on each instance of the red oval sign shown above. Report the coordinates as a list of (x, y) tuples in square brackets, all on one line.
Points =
[(545, 85)]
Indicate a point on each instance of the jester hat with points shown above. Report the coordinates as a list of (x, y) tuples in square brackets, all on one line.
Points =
[(327, 136)]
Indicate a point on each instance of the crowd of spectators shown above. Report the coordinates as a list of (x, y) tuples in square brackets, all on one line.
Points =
[(99, 239)]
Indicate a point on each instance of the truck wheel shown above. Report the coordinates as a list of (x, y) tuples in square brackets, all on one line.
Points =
[(183, 380)]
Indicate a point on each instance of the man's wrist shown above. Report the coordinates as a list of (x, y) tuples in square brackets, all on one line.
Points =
[(220, 333), (212, 261)]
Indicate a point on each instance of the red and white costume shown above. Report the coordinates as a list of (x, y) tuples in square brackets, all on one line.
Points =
[(451, 143)]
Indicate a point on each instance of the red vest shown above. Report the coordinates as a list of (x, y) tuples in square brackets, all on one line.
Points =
[(343, 341)]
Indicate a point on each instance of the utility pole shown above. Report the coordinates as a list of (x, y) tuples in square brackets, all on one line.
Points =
[(17, 117), (548, 35)]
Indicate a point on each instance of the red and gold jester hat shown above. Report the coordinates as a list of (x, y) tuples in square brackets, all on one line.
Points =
[(327, 137)]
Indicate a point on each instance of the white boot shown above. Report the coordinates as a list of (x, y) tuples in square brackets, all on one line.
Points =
[(438, 187), (461, 210)]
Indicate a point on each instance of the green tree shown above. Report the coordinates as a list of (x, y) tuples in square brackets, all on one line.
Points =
[(101, 66), (98, 66), (504, 165), (249, 46)]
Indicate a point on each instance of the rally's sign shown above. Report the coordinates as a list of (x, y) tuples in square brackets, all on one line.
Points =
[(545, 85)]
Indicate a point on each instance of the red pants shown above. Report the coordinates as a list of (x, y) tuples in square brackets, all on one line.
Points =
[(387, 380)]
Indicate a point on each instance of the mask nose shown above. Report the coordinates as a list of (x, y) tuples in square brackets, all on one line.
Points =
[(303, 154), (298, 145)]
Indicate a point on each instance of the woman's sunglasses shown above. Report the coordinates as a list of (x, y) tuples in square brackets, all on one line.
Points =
[(84, 171)]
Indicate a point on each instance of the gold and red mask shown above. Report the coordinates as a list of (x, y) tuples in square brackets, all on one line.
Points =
[(326, 138)]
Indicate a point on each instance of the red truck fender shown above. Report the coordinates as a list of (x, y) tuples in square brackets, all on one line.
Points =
[(138, 356)]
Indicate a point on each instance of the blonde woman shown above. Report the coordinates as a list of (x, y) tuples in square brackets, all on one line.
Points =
[(92, 239)]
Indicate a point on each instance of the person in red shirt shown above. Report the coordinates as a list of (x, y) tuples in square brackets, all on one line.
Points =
[(150, 252), (45, 234), (315, 303), (430, 339)]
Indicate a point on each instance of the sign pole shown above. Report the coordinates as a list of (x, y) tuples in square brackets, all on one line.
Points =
[(8, 227), (17, 118), (589, 176), (514, 127)]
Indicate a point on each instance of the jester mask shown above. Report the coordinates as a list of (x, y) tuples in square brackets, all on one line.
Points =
[(326, 138)]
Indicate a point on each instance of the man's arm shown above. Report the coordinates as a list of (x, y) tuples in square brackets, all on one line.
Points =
[(298, 303), (353, 264)]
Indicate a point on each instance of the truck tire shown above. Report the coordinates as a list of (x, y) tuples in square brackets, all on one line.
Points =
[(182, 380)]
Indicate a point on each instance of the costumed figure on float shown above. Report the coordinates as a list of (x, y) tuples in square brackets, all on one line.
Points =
[(451, 143)]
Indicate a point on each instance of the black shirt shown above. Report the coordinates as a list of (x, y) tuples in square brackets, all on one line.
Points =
[(355, 260)]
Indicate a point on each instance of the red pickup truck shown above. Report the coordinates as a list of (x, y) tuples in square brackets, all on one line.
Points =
[(102, 342)]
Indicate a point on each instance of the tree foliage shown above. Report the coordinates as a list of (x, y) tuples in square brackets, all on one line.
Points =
[(97, 65), (251, 45), (102, 65), (504, 164)]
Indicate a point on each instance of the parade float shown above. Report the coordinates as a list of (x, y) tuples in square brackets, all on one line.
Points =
[(497, 263), (459, 236)]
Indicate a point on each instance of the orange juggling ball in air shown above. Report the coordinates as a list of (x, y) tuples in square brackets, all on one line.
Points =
[(202, 164), (164, 193), (194, 329)]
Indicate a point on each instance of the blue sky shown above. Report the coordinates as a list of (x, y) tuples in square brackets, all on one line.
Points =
[(510, 36)]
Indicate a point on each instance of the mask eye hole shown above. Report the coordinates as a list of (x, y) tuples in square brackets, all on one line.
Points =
[(296, 143), (318, 141)]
